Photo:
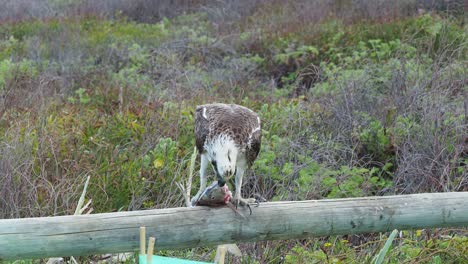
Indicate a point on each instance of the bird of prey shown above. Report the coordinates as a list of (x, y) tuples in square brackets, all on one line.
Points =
[(229, 137)]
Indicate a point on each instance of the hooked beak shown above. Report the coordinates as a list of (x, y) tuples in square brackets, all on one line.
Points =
[(221, 180)]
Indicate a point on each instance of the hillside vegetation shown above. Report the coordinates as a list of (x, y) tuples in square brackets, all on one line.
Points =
[(357, 98)]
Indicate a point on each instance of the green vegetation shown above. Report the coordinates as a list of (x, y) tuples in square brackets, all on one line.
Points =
[(355, 105)]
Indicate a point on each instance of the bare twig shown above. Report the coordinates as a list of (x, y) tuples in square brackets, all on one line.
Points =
[(186, 190)]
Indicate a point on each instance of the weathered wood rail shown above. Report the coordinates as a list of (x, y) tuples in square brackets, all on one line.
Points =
[(202, 226)]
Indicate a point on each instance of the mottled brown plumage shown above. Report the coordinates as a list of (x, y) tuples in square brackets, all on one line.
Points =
[(236, 121), (229, 137)]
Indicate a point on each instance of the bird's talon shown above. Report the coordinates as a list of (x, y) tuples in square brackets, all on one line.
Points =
[(250, 209)]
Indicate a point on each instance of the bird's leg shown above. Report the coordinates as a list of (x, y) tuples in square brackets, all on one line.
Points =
[(238, 200), (203, 177)]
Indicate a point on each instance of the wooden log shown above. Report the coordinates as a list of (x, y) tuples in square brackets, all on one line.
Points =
[(183, 227)]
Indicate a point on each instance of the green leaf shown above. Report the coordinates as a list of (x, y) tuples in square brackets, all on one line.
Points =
[(380, 257)]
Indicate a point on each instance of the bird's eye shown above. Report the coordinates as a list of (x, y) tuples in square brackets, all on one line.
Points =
[(212, 198)]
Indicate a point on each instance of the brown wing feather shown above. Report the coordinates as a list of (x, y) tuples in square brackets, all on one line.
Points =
[(254, 148), (201, 129)]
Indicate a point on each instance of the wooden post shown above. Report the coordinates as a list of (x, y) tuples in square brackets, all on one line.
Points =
[(222, 254), (149, 256), (142, 240), (176, 228)]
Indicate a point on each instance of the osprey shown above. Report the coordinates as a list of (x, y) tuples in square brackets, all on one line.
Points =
[(229, 137)]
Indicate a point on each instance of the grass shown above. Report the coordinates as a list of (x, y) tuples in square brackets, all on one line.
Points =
[(353, 104)]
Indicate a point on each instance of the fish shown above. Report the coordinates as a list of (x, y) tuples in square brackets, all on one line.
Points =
[(214, 195)]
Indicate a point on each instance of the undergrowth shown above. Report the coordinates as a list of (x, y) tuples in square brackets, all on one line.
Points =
[(352, 104)]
